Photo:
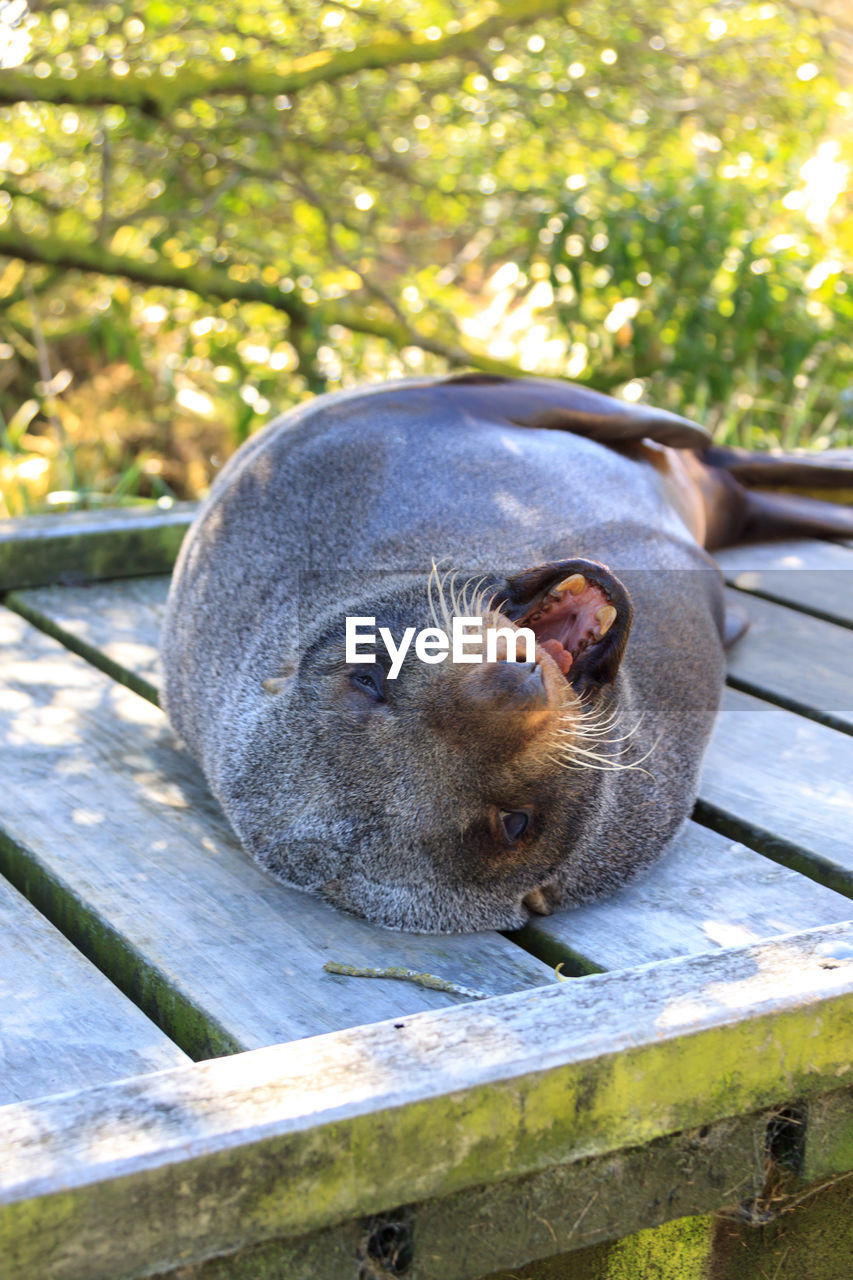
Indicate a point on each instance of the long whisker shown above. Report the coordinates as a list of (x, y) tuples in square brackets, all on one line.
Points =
[(603, 764), (474, 599), (446, 613), (431, 581), (598, 735), (583, 740)]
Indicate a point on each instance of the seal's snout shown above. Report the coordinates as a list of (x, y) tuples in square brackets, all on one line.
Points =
[(507, 695), (506, 685), (500, 705)]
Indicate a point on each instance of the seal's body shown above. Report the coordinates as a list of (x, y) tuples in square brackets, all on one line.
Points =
[(454, 797)]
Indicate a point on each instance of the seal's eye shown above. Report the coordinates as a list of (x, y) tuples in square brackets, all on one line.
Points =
[(370, 680), (514, 824)]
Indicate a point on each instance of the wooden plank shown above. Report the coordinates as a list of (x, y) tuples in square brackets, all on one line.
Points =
[(128, 853), (91, 544), (65, 1026), (556, 1210), (707, 892), (797, 660), (188, 1164), (781, 783), (115, 625), (816, 577)]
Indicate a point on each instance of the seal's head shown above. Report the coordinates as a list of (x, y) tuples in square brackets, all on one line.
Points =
[(455, 795)]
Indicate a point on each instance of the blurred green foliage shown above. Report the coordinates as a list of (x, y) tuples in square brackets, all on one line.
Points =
[(208, 214)]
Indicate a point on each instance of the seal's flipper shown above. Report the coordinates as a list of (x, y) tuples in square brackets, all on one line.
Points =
[(740, 514), (733, 513), (551, 404), (735, 625), (781, 470), (579, 612), (781, 515)]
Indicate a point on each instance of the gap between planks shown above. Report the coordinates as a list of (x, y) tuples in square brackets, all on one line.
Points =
[(808, 576), (793, 660), (122, 672), (65, 1026)]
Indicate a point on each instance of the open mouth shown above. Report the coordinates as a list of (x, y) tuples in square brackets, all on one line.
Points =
[(569, 617), (578, 611)]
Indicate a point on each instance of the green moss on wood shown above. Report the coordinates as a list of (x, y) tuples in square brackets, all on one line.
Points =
[(829, 1137), (35, 551), (678, 1250), (809, 1240)]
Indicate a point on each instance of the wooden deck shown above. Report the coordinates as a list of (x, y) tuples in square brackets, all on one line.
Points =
[(698, 1060)]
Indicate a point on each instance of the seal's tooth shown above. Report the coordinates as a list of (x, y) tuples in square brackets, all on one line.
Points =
[(574, 585), (536, 901), (605, 617)]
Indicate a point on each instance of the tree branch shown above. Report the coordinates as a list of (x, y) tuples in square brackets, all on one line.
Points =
[(71, 255), (212, 283), (157, 94), (38, 196)]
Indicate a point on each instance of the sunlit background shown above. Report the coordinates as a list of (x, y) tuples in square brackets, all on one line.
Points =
[(208, 215)]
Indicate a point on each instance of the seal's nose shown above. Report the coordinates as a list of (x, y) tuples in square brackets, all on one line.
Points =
[(513, 686), (531, 685), (494, 708)]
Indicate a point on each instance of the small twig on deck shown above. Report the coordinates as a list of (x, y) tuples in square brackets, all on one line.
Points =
[(409, 975)]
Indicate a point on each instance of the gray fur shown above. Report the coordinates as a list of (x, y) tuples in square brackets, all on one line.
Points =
[(339, 507)]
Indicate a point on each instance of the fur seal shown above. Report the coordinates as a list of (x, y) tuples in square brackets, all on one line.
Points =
[(461, 797)]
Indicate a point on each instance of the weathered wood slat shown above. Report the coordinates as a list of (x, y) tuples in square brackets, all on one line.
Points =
[(707, 892), (115, 625), (115, 836), (800, 661), (191, 1163), (62, 1024), (88, 545), (507, 1224), (813, 576), (783, 784)]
